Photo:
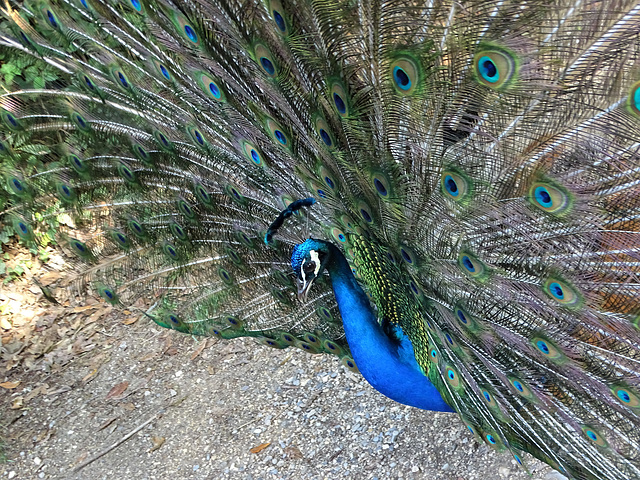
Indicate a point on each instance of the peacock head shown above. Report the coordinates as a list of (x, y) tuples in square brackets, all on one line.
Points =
[(308, 260)]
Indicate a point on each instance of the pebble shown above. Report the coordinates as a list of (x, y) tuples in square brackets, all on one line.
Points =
[(37, 461), (12, 474)]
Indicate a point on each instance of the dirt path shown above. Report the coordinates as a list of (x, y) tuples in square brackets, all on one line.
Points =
[(89, 376)]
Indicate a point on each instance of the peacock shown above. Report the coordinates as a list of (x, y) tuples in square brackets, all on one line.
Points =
[(443, 194)]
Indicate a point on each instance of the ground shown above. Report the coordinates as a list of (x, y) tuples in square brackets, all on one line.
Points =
[(79, 378)]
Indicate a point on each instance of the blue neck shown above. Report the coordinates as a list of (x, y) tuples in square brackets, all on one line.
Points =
[(389, 368)]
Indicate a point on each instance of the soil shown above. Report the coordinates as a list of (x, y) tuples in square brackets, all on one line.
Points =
[(82, 379)]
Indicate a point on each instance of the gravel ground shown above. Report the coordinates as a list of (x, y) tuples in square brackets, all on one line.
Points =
[(82, 379), (321, 421)]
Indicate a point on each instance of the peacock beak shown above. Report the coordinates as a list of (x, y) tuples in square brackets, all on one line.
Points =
[(303, 289)]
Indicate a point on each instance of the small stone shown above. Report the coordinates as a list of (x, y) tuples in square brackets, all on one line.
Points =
[(37, 461), (12, 474)]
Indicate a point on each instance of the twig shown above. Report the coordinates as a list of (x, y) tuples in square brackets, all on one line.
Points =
[(127, 436), (122, 440)]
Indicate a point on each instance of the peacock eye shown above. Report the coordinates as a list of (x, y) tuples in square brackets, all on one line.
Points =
[(309, 267)]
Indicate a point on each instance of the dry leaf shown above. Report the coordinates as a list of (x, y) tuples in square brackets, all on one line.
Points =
[(117, 390), (157, 443), (130, 320), (84, 308), (171, 351), (99, 313), (17, 403), (260, 447), (9, 385), (199, 350), (49, 277)]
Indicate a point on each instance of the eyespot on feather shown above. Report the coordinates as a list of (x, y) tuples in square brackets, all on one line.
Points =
[(252, 154), (549, 198), (266, 60), (278, 15), (625, 396), (562, 292), (22, 228), (471, 266), (324, 132), (121, 79), (140, 152), (49, 16), (234, 193), (163, 141), (594, 436), (196, 136), (633, 100), (203, 196), (521, 388), (127, 173), (107, 293), (452, 376), (454, 185), (495, 67), (405, 75), (349, 364), (10, 121), (339, 99), (211, 87), (279, 134), (548, 350), (185, 28)]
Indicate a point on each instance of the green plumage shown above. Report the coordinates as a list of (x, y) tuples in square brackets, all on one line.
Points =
[(477, 162)]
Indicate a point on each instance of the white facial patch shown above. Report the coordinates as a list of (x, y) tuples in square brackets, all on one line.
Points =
[(314, 258)]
